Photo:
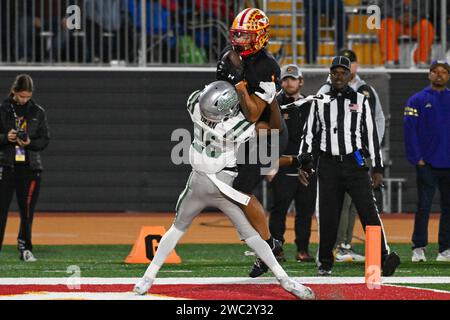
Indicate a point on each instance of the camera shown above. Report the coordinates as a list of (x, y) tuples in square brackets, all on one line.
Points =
[(22, 135)]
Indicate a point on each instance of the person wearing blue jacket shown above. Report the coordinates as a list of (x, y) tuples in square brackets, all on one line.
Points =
[(427, 143)]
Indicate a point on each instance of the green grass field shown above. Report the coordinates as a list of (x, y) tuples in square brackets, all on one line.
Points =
[(198, 260)]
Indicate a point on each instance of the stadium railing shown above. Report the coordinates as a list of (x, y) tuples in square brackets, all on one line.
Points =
[(114, 32), (177, 32), (311, 32)]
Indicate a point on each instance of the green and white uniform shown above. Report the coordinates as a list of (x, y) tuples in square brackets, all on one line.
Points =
[(215, 144), (214, 148)]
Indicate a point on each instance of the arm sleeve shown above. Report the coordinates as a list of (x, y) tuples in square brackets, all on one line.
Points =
[(3, 136), (370, 135), (309, 130), (326, 87), (380, 120), (410, 126), (3, 139), (191, 101), (43, 139)]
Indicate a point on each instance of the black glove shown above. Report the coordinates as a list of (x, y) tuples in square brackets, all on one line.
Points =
[(306, 162), (226, 71), (295, 163)]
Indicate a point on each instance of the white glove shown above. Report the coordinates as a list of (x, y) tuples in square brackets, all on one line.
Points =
[(270, 91)]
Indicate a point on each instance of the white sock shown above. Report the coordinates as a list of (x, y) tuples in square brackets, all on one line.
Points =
[(263, 251), (166, 245)]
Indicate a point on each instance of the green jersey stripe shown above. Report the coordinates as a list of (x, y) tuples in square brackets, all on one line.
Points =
[(241, 130), (235, 128), (192, 100)]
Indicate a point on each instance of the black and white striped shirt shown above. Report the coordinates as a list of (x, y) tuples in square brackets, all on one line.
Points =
[(343, 123)]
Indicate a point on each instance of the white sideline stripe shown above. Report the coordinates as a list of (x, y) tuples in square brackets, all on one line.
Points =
[(228, 280), (418, 288)]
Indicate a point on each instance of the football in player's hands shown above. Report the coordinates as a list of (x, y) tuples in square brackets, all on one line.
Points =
[(230, 68), (233, 57)]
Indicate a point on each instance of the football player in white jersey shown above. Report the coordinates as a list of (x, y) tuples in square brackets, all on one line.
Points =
[(219, 129)]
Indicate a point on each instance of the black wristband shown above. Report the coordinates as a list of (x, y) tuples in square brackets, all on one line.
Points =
[(378, 170), (306, 161)]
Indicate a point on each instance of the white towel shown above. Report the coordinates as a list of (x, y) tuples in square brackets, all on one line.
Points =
[(229, 191)]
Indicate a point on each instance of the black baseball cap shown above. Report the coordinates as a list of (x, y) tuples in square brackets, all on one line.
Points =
[(350, 54), (441, 63), (341, 61)]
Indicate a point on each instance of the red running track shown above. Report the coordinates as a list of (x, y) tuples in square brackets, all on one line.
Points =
[(245, 291)]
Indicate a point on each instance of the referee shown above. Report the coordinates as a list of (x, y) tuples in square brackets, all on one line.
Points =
[(344, 250), (342, 121)]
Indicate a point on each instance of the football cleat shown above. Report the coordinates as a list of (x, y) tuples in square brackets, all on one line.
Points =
[(297, 289), (444, 256), (303, 256), (391, 262), (259, 268), (143, 285), (345, 253), (324, 272), (418, 255), (27, 256), (280, 257)]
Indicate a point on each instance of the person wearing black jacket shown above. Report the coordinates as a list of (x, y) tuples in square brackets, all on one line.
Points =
[(23, 135), (342, 121), (285, 184)]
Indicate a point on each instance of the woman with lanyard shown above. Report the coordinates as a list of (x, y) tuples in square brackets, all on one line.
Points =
[(23, 135)]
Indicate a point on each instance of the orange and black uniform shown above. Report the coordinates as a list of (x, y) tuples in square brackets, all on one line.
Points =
[(20, 169), (258, 67)]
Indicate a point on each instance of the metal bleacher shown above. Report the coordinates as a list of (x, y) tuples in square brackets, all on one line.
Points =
[(359, 37)]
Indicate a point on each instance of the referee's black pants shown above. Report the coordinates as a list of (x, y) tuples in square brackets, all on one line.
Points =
[(334, 179), (285, 189), (26, 183)]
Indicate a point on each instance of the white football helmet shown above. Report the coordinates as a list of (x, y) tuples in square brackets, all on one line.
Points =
[(218, 100)]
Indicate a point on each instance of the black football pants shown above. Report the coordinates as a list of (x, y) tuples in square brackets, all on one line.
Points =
[(26, 183), (285, 189), (334, 179)]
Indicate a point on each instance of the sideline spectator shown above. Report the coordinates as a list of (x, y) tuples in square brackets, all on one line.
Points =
[(285, 184), (427, 144), (23, 135), (406, 17)]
